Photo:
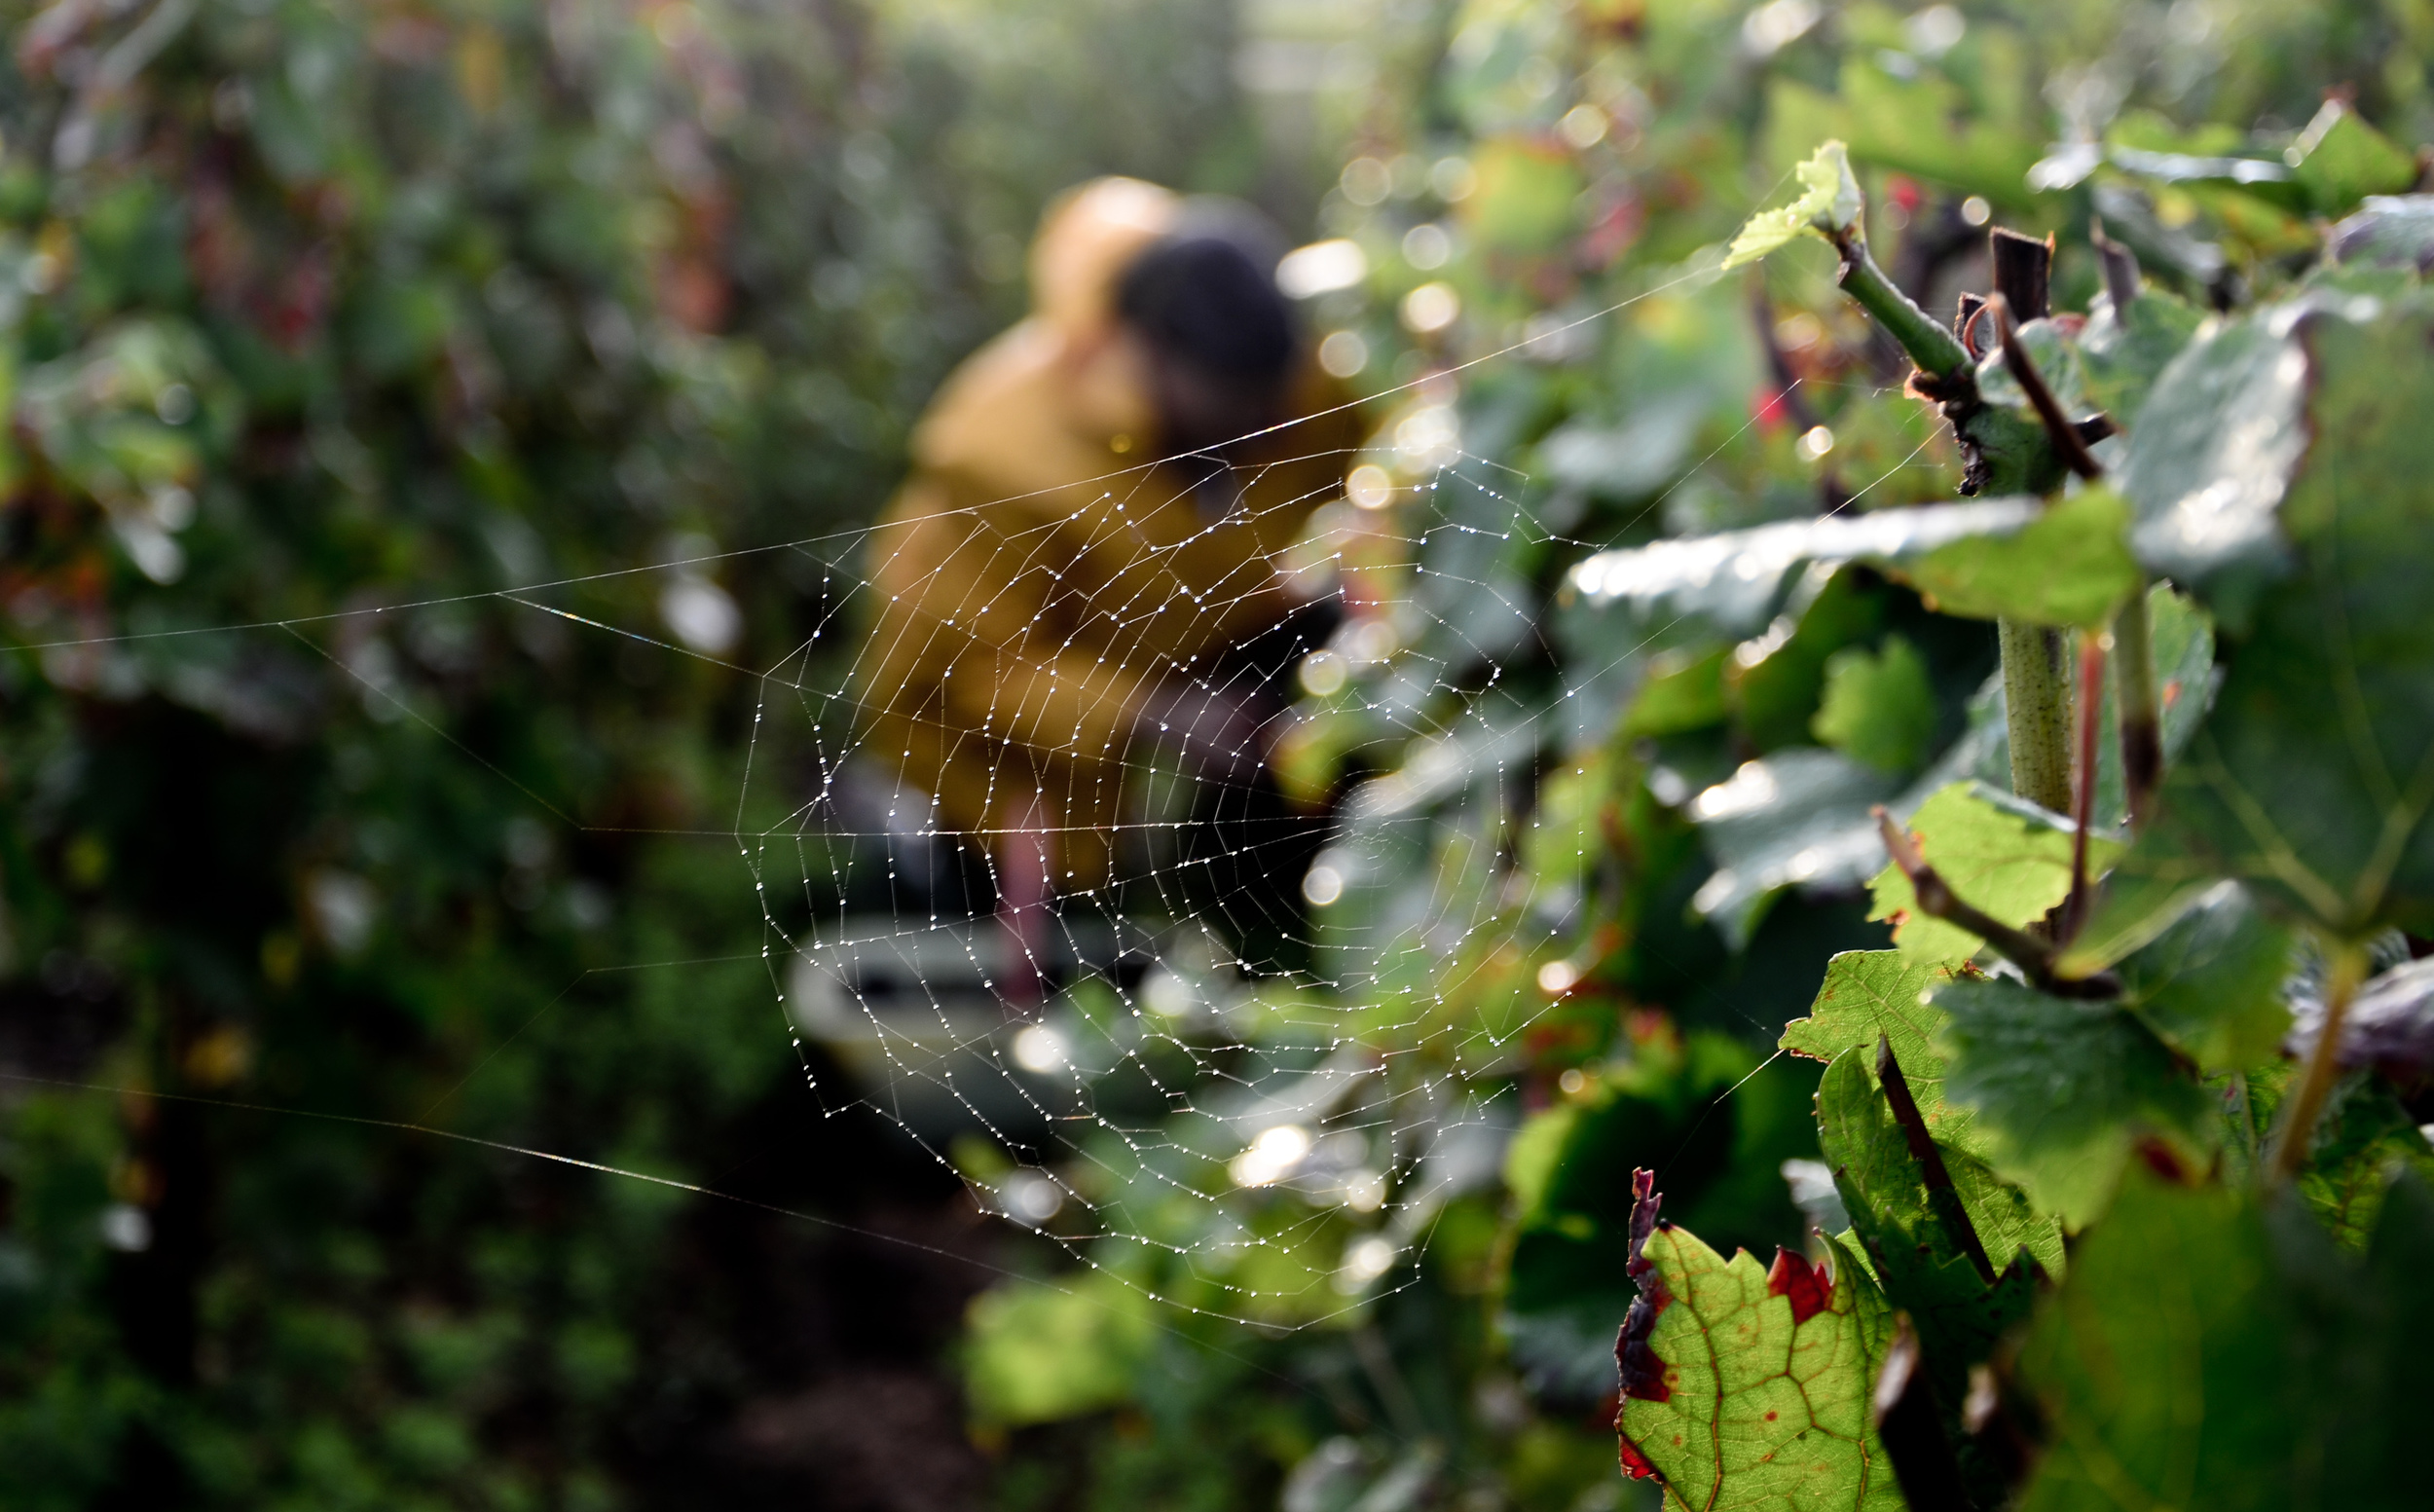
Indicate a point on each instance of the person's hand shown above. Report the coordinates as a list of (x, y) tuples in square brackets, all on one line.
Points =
[(1220, 736)]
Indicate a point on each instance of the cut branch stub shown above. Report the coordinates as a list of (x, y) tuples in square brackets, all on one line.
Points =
[(2120, 269), (2023, 272)]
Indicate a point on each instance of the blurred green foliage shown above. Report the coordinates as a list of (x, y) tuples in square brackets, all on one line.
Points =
[(334, 323), (342, 323)]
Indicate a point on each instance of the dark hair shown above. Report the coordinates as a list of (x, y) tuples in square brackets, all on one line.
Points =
[(1208, 297)]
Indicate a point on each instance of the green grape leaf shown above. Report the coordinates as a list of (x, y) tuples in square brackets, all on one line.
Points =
[(1746, 1387), (1829, 202), (1683, 691), (1734, 582), (2123, 352), (2133, 909), (2055, 357), (2390, 231), (1869, 994), (1775, 681), (2364, 1140), (1872, 993), (2211, 982), (2341, 160), (2063, 1090), (1886, 1194), (1917, 1252), (2007, 858), (2070, 567), (2312, 776), (1037, 1352), (2210, 1352), (1878, 707), (1799, 816), (2220, 435)]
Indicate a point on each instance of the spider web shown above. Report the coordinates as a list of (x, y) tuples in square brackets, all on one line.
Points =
[(1110, 1066), (1113, 1061)]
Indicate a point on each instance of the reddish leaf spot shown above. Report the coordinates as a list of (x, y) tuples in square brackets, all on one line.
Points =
[(1807, 1288), (1643, 1374), (1644, 1203), (1770, 1416), (2167, 1161), (1636, 1464), (1768, 408)]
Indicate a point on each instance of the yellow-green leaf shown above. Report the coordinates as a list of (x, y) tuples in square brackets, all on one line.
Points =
[(1753, 1392), (2005, 857), (1829, 202)]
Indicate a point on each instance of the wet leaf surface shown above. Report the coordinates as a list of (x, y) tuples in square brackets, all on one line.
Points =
[(2123, 352), (2071, 565), (2388, 231), (2312, 777), (2214, 450)]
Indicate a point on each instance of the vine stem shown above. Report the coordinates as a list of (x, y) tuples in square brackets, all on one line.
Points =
[(2291, 1141), (1938, 352), (2037, 704), (2141, 716), (2037, 708)]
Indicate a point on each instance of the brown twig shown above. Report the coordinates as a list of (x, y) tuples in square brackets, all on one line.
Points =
[(1832, 495), (2296, 1135), (2059, 430), (2141, 720), (1941, 1194), (1965, 323), (2121, 270), (2090, 697), (1937, 901)]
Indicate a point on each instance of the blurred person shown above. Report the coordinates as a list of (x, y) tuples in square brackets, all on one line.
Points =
[(1082, 576)]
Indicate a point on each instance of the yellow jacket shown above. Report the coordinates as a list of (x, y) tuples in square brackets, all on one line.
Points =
[(1033, 582)]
